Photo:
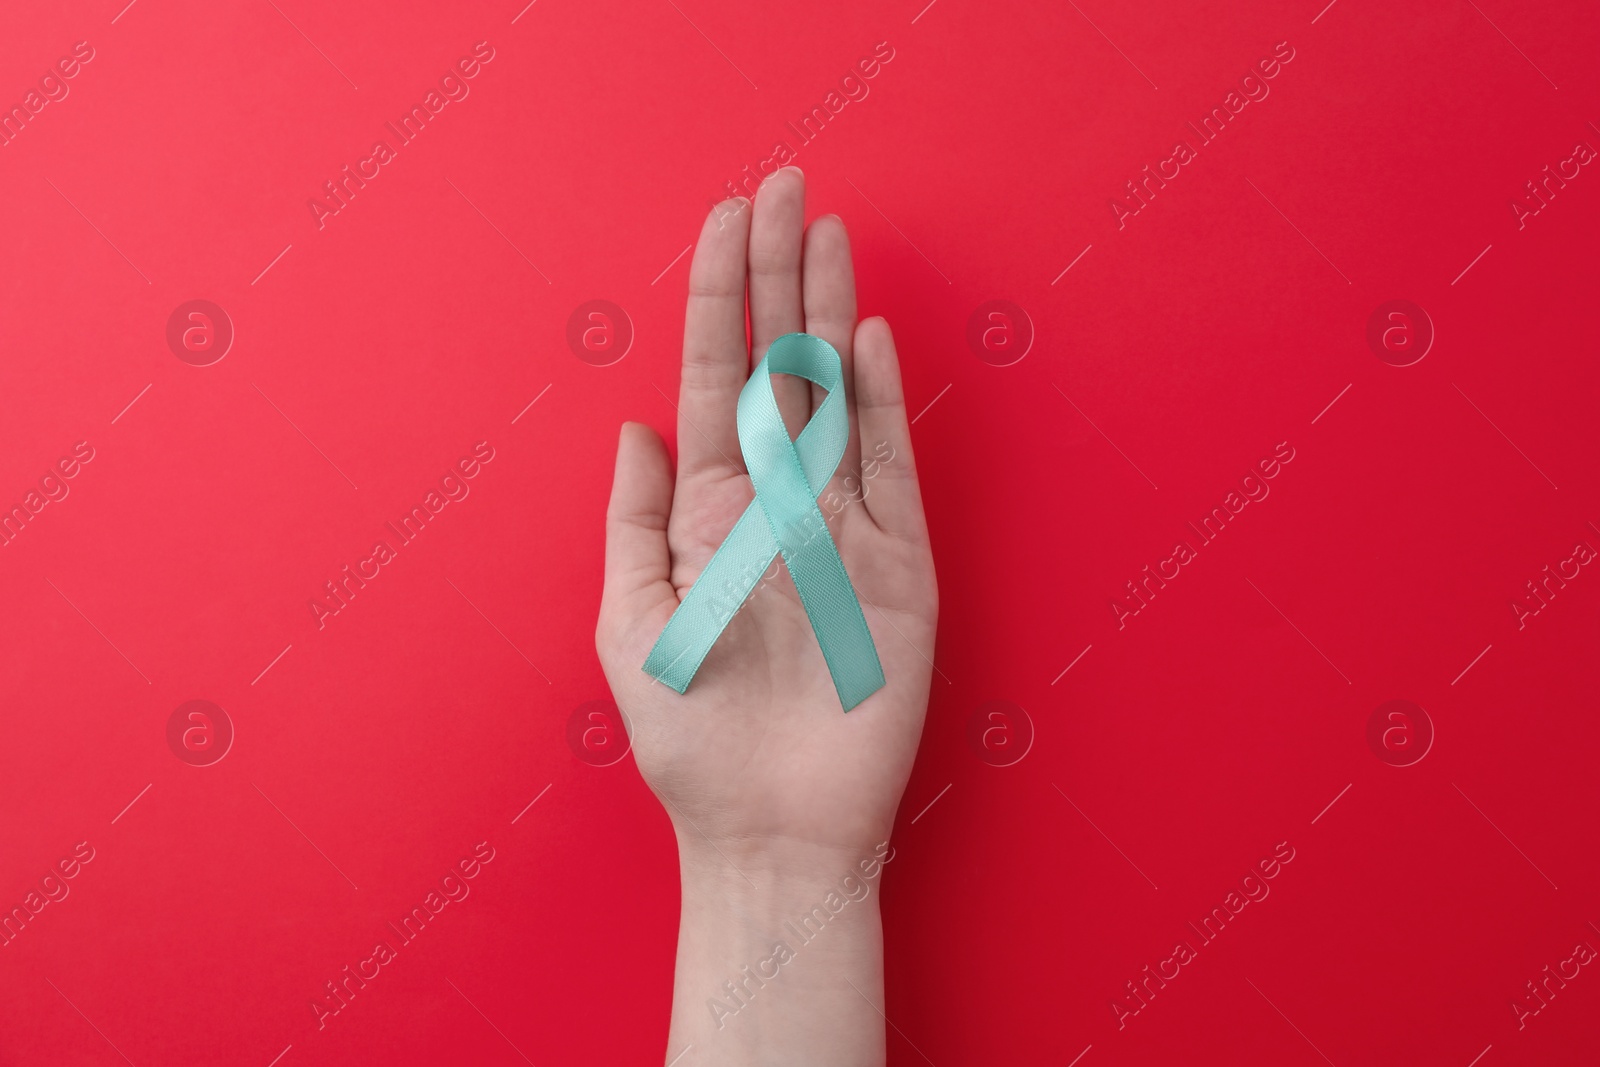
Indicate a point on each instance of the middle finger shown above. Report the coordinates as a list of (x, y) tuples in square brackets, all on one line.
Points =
[(776, 231)]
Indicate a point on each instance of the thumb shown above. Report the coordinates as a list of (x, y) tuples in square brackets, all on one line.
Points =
[(637, 557)]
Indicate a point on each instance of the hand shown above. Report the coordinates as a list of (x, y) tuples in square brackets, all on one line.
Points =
[(758, 755), (771, 787)]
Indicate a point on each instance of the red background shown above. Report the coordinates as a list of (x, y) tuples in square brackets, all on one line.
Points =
[(1221, 320)]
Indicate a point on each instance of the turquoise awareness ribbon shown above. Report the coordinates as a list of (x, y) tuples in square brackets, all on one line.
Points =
[(788, 476)]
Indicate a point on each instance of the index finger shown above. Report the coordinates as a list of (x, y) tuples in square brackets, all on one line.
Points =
[(716, 359)]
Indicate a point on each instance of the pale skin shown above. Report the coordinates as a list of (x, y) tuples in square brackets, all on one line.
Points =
[(775, 794)]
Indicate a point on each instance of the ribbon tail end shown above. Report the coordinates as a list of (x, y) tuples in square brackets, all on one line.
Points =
[(856, 694)]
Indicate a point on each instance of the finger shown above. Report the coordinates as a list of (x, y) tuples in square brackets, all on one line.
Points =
[(638, 565), (893, 498), (830, 307), (716, 361), (775, 301)]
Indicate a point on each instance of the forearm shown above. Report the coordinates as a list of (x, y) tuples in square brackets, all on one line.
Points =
[(780, 957)]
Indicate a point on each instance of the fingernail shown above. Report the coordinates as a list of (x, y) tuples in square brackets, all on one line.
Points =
[(728, 208), (781, 170)]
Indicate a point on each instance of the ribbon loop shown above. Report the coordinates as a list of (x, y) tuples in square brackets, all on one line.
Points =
[(788, 476)]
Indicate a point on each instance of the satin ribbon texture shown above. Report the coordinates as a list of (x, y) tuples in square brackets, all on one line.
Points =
[(788, 476)]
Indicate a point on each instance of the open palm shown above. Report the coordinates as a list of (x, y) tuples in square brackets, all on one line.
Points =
[(758, 753)]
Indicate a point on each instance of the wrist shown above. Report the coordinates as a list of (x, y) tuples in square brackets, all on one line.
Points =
[(767, 870), (774, 937)]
